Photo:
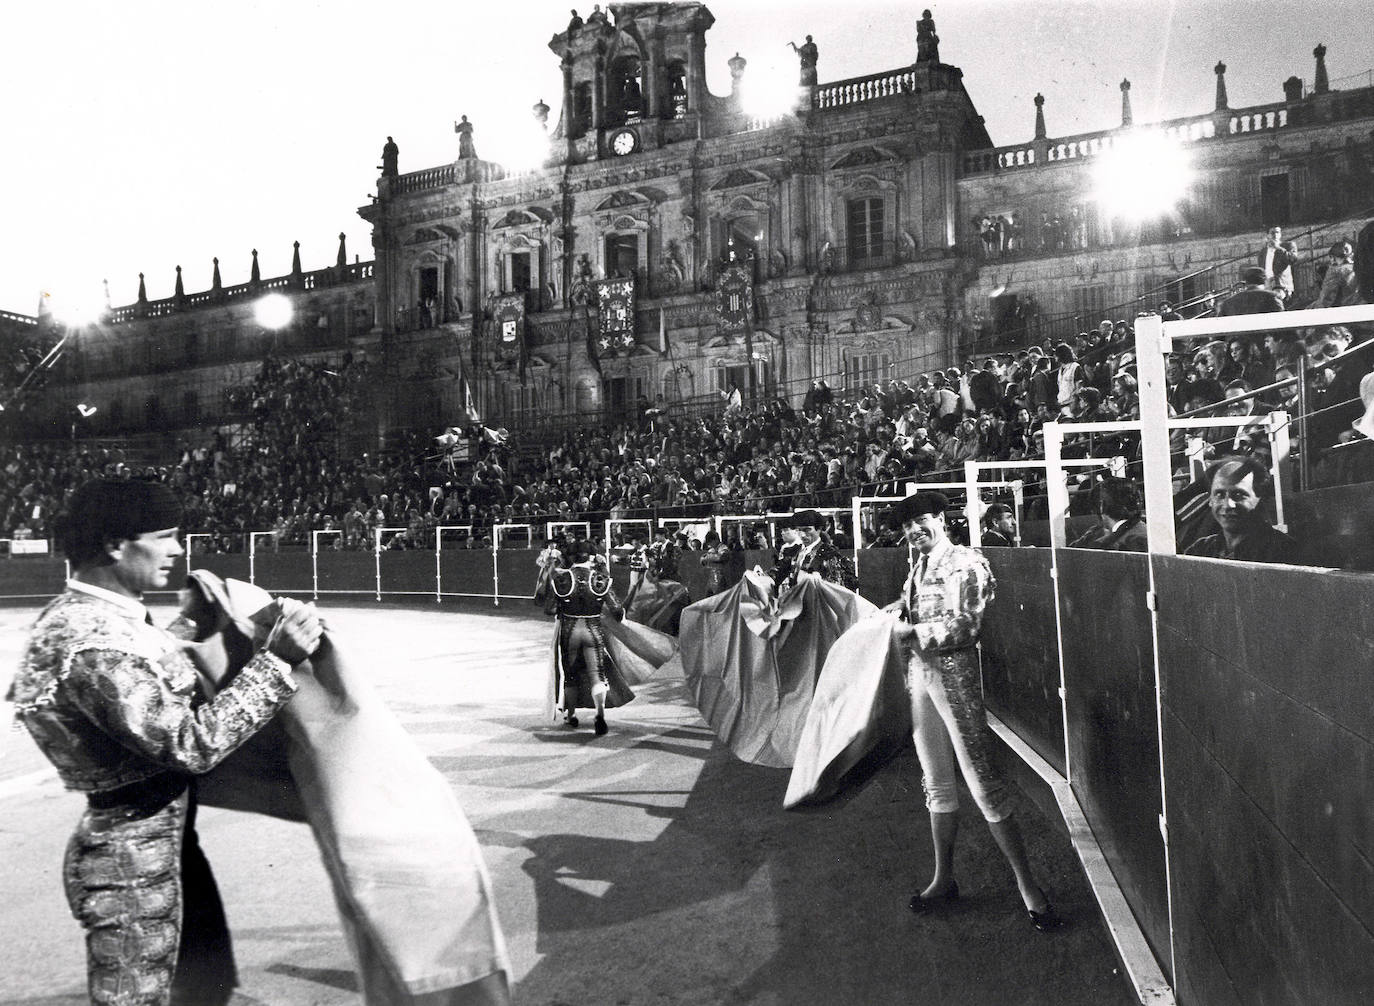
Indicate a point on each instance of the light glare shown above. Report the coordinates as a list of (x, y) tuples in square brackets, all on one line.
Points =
[(1141, 176), (769, 89), (273, 311)]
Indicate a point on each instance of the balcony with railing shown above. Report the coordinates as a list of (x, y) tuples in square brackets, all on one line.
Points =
[(318, 279), (1083, 146)]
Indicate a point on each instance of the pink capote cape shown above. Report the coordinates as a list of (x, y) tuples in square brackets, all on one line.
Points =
[(657, 603), (751, 662), (860, 707), (409, 881)]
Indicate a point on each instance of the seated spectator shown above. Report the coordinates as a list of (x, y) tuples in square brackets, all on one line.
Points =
[(1253, 298), (1339, 286), (999, 526), (1121, 528), (1238, 489)]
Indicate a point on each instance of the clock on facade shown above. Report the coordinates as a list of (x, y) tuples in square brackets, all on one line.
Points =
[(624, 142)]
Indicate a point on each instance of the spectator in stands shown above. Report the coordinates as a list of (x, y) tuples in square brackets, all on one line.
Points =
[(1254, 298), (999, 526), (1069, 378), (1339, 286), (1238, 490), (1121, 528), (1275, 262), (985, 386), (1041, 389)]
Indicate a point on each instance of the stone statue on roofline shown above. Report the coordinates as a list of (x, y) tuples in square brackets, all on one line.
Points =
[(927, 42), (390, 158), (466, 148), (808, 54)]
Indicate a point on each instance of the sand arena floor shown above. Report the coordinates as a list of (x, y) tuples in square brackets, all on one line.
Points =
[(645, 867)]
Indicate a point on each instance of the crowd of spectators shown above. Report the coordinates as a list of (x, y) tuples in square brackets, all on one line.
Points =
[(290, 471)]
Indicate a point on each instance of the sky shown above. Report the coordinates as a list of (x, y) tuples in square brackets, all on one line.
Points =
[(146, 134)]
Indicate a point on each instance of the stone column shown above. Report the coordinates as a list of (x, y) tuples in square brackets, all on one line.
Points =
[(650, 80)]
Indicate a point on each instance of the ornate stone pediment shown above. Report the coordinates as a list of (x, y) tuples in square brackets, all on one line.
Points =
[(425, 235), (528, 216), (864, 156), (622, 199), (738, 177)]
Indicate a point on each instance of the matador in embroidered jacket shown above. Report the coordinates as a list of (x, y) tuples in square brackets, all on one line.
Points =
[(117, 706)]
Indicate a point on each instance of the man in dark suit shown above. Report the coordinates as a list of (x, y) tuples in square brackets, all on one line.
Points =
[(1122, 529), (1254, 298), (1277, 262), (999, 527), (1238, 487), (818, 555)]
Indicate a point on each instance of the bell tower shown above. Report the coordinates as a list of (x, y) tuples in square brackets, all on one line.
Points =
[(634, 78)]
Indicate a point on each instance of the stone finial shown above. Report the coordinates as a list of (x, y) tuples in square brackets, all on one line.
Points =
[(106, 284), (1040, 133), (342, 260), (1220, 71), (179, 291), (1292, 89), (541, 113), (737, 63), (1126, 117), (142, 290), (256, 275), (1322, 84), (295, 258)]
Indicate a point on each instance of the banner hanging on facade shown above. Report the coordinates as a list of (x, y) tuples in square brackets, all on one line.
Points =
[(509, 315), (736, 285), (615, 301)]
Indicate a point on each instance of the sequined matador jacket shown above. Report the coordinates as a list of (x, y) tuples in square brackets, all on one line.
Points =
[(113, 703)]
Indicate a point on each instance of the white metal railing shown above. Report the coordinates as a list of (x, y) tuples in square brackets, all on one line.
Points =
[(315, 559), (438, 564)]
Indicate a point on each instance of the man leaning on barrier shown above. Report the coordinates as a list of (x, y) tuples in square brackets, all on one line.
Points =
[(1238, 488)]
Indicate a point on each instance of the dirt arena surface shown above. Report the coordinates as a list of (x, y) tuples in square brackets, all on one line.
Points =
[(646, 867)]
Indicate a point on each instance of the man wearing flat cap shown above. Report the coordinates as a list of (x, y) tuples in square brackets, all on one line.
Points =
[(941, 607), (115, 704), (1253, 298), (817, 555)]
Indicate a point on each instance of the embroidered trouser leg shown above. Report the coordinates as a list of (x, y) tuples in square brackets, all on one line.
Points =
[(584, 661), (950, 725), (122, 878)]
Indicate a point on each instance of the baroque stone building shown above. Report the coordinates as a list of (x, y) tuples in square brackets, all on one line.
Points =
[(888, 234), (848, 207), (885, 232)]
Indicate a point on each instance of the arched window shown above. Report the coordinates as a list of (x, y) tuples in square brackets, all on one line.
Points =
[(677, 104), (626, 99)]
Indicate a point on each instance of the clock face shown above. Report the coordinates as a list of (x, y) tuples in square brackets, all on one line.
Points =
[(624, 142)]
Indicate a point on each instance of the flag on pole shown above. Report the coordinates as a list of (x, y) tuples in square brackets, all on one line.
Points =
[(470, 412)]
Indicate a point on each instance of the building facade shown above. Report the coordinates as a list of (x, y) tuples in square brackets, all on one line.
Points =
[(884, 234)]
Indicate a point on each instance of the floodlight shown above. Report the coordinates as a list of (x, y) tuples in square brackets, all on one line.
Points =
[(1142, 175), (273, 311), (71, 313), (771, 89)]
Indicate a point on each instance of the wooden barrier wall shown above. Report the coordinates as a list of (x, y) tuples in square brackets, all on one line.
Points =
[(1021, 651), (1113, 727), (1268, 746)]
